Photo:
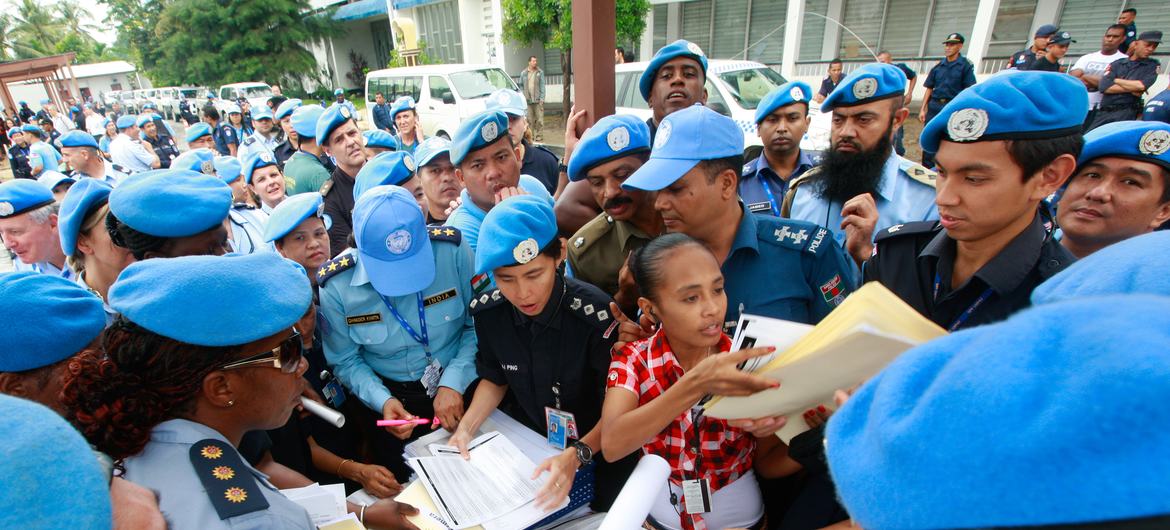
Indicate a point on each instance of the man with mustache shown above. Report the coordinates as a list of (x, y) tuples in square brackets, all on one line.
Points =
[(781, 121), (1121, 188), (862, 186), (1003, 147), (339, 136)]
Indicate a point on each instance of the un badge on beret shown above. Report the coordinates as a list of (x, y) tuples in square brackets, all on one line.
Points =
[(1154, 143), (796, 94), (490, 131), (967, 125), (865, 88), (398, 242), (207, 168), (618, 139), (6, 209), (266, 157), (344, 111), (663, 135), (695, 49), (408, 162), (526, 251)]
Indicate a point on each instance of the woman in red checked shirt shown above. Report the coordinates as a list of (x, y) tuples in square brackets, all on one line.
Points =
[(655, 386)]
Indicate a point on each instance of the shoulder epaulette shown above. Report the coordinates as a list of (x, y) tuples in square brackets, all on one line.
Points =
[(227, 481), (445, 233), (793, 234), (328, 185), (485, 300), (249, 140), (242, 206), (591, 309), (590, 232), (919, 173), (335, 266), (790, 195), (905, 229)]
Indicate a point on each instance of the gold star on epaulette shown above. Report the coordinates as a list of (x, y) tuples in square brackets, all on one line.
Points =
[(211, 452), (448, 232), (236, 495), (223, 472), (437, 232), (332, 267), (321, 272), (344, 262)]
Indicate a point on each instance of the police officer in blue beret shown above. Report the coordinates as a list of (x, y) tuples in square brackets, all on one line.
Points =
[(298, 227), (86, 241), (246, 220), (200, 136), (399, 334), (340, 101), (379, 141), (953, 74), (310, 166), (862, 185), (83, 155), (1121, 188), (534, 160), (1004, 146), (694, 167), (283, 116), (28, 227), (1023, 59), (264, 137), (338, 134), (41, 155), (170, 212), (394, 168), (127, 148), (18, 154), (436, 174), (781, 121), (405, 119), (226, 140), (150, 109), (163, 145), (265, 181)]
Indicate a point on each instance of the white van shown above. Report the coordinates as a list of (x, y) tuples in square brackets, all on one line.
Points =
[(257, 94), (734, 88), (446, 94)]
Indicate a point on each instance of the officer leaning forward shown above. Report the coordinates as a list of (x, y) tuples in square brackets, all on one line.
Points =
[(397, 328), (781, 121), (951, 75)]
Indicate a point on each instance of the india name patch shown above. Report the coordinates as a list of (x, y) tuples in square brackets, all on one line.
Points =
[(432, 300), (363, 319), (832, 292)]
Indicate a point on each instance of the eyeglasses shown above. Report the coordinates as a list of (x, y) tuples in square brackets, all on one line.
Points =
[(286, 356)]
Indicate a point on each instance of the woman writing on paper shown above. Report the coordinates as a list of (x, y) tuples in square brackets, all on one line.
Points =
[(655, 387)]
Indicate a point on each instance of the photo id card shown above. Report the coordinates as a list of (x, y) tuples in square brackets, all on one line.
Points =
[(697, 495), (560, 427)]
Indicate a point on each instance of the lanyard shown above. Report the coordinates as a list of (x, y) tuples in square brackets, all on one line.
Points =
[(971, 309), (422, 319), (768, 192)]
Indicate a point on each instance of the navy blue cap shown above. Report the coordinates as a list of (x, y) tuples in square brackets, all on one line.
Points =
[(391, 167), (304, 120), (786, 94), (678, 48), (401, 104), (1151, 36), (1046, 30), (21, 195), (955, 37), (78, 138), (285, 108), (1011, 107), (1063, 37), (509, 101), (184, 298), (171, 202), (68, 318), (201, 160), (227, 168), (197, 131), (477, 132), (685, 138), (79, 201), (126, 122), (392, 240), (52, 179), (330, 120), (611, 138), (430, 148), (520, 226), (869, 83), (292, 211), (256, 161), (1144, 141), (380, 138)]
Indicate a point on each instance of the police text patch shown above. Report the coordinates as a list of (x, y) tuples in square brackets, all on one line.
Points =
[(432, 300), (363, 319)]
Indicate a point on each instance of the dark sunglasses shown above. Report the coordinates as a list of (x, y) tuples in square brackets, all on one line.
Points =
[(286, 356)]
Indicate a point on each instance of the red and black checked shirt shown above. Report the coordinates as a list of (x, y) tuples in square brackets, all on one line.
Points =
[(647, 368)]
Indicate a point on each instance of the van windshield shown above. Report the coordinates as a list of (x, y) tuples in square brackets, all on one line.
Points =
[(749, 86), (189, 92), (480, 83), (257, 92)]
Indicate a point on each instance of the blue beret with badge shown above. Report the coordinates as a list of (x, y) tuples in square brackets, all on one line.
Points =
[(702, 134), (292, 211), (18, 196), (51, 179), (392, 167), (201, 160), (430, 148), (611, 138), (1011, 107), (197, 131), (401, 104), (285, 108), (382, 139), (678, 48), (150, 105), (392, 240), (43, 453), (78, 138), (256, 161), (262, 113), (1144, 141), (69, 317), (125, 122), (1134, 266), (14, 131), (330, 120), (509, 101), (869, 83), (183, 298), (143, 119), (1024, 423), (304, 120), (233, 108), (79, 201), (783, 95), (520, 226), (338, 92), (30, 128), (227, 168), (171, 202), (477, 132)]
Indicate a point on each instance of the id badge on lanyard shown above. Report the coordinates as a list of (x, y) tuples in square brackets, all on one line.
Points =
[(433, 371)]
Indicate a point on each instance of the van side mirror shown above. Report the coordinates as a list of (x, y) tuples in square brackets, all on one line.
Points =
[(719, 107), (447, 97)]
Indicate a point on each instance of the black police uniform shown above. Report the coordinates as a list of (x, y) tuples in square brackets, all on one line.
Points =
[(338, 192), (283, 151), (946, 79), (915, 261), (542, 164), (559, 359), (21, 169), (165, 148), (1123, 106), (1023, 59)]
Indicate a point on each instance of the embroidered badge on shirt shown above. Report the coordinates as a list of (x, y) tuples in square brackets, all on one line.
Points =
[(432, 300), (363, 319), (832, 292)]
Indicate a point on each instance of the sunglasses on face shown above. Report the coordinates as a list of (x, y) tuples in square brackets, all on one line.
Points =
[(286, 356)]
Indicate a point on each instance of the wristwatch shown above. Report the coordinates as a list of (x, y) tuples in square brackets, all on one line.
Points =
[(584, 453)]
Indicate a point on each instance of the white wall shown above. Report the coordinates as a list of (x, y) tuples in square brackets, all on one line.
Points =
[(357, 38)]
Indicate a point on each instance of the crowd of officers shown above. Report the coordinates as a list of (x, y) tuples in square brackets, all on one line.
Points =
[(184, 306)]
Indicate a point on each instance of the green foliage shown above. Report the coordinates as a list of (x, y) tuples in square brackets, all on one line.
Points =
[(36, 29), (398, 61), (136, 21), (551, 21)]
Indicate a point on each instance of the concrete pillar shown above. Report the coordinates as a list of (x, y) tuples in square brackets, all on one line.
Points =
[(832, 43), (793, 27), (646, 42), (981, 32), (673, 22), (1047, 12)]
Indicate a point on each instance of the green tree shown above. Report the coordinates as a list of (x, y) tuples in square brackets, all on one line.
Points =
[(80, 46), (75, 19), (551, 22), (137, 21), (37, 29)]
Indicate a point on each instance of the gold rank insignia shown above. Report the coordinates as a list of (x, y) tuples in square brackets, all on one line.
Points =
[(236, 495), (223, 472), (231, 493), (211, 452)]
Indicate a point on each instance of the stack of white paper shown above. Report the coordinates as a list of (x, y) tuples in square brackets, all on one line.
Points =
[(325, 504)]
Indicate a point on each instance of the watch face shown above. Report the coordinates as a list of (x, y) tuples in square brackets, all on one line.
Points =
[(584, 453)]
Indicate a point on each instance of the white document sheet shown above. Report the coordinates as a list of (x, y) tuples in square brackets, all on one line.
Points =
[(324, 503)]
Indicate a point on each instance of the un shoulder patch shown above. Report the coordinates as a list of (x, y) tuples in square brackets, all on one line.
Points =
[(335, 266)]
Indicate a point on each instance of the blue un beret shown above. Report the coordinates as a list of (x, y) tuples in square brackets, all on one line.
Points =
[(125, 122), (171, 202), (1134, 266), (256, 161), (201, 160), (43, 453), (286, 107), (197, 131), (869, 83), (702, 134), (380, 138), (1144, 141), (338, 92), (1024, 423), (611, 138), (143, 119), (78, 138), (401, 104), (520, 226), (678, 48), (477, 132), (14, 131), (51, 179), (184, 298), (786, 94), (79, 201), (292, 211), (509, 101), (430, 148), (262, 113), (21, 195), (227, 168), (393, 242), (1011, 107), (392, 167), (304, 120), (30, 128), (69, 317)]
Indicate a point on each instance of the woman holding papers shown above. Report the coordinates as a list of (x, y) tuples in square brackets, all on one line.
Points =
[(657, 384)]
